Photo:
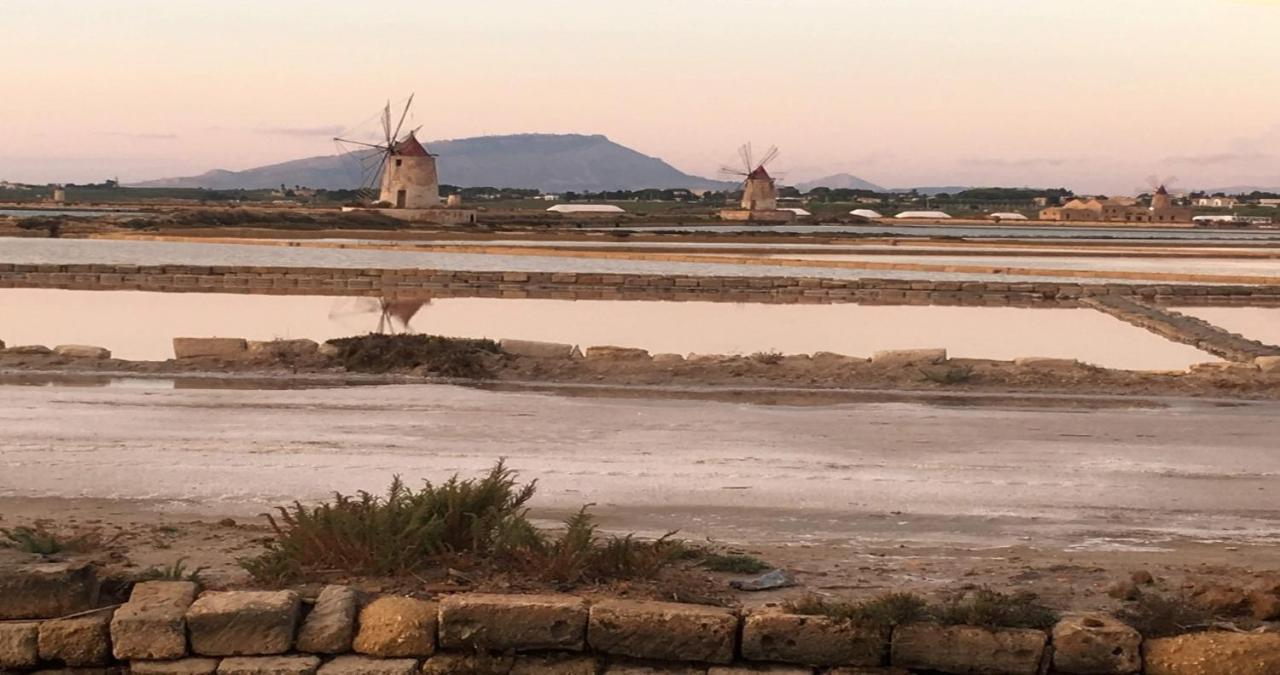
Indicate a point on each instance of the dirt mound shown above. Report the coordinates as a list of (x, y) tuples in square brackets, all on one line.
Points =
[(447, 357)]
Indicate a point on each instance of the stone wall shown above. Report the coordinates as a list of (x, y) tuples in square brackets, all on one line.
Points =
[(169, 628), (590, 286)]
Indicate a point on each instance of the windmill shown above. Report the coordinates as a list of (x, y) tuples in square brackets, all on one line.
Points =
[(402, 168), (1160, 197), (389, 311), (759, 191)]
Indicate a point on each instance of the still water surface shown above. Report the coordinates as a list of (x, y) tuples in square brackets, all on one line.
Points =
[(141, 325)]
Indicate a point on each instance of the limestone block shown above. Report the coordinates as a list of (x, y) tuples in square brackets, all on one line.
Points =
[(243, 623), (191, 666), (662, 630), (760, 669), (78, 642), (225, 348), (479, 664), (365, 665), (29, 350), (556, 664), (1045, 363), (331, 625), (82, 352), (908, 357), (968, 649), (501, 623), (269, 665), (811, 640), (539, 350), (396, 627), (653, 668), (1096, 644), (152, 625), (19, 645), (281, 348), (1268, 364), (869, 670), (609, 353), (46, 590), (668, 359), (1214, 654)]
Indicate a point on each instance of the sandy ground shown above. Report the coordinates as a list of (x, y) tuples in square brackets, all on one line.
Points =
[(855, 497)]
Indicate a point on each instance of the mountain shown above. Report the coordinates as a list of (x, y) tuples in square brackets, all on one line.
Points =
[(1240, 190), (840, 181), (939, 190), (548, 162)]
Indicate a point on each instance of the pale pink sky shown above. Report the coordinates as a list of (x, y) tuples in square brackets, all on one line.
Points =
[(1092, 94)]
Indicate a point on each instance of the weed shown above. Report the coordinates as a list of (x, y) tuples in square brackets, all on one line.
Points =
[(399, 532), (448, 357), (178, 571), (1155, 615), (769, 358), (736, 564), (948, 374), (884, 611), (42, 541), (578, 554), (986, 607)]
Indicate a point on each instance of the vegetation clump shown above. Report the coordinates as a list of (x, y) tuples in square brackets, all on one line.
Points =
[(948, 375), (734, 563), (1156, 615), (884, 611), (42, 541), (483, 520), (178, 571), (993, 609), (447, 357)]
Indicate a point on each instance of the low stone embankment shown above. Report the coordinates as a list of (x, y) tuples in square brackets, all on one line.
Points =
[(1185, 329), (583, 286), (49, 618)]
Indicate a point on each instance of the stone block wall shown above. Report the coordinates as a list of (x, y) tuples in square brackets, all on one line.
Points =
[(165, 628), (584, 286)]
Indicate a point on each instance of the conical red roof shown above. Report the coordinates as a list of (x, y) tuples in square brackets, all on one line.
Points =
[(758, 173), (409, 147)]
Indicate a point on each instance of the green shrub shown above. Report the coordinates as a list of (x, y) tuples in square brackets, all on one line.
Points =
[(948, 374), (884, 611), (1155, 615), (178, 571), (405, 531), (736, 564), (398, 532), (986, 607), (42, 541), (448, 357)]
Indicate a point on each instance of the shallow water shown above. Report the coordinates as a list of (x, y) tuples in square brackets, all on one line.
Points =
[(118, 252), (1256, 323), (141, 325), (987, 232), (1259, 268)]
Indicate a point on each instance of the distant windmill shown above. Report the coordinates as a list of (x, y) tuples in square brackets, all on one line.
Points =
[(402, 167), (759, 191), (1160, 197), (390, 312)]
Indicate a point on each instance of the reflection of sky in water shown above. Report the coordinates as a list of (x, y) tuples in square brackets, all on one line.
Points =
[(1081, 233), (1257, 323), (113, 252), (141, 325), (1171, 265)]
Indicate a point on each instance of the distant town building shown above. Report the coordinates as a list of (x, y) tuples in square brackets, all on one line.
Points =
[(58, 194), (866, 213), (1269, 202), (1120, 210), (922, 215), (585, 208), (1217, 202)]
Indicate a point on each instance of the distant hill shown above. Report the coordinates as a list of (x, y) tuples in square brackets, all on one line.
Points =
[(547, 162), (939, 190), (1240, 190), (840, 181)]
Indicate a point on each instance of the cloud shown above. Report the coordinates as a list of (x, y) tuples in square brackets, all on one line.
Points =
[(328, 131), (1219, 158), (1013, 163), (143, 137)]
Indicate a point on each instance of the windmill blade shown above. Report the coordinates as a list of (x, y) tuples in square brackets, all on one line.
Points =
[(730, 171), (386, 124), (361, 143), (745, 153), (348, 307), (403, 115), (769, 156)]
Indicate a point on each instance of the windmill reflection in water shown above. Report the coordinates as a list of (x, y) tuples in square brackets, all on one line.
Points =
[(394, 314)]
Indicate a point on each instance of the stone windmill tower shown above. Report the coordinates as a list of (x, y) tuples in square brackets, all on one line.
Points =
[(759, 191), (402, 168)]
